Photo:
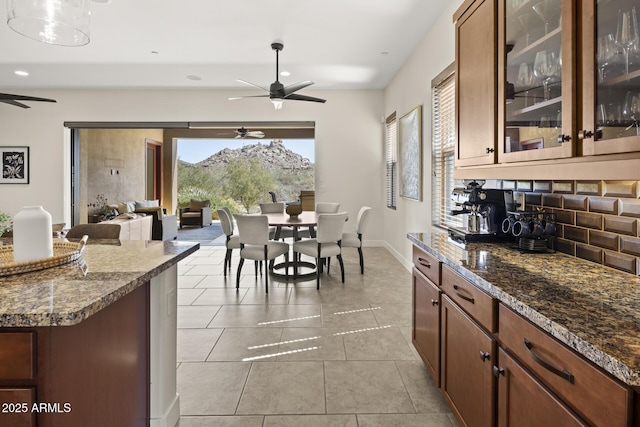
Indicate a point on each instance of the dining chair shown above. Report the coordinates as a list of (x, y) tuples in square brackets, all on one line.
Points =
[(354, 239), (326, 244), (275, 207), (321, 208), (232, 241), (94, 231), (253, 233)]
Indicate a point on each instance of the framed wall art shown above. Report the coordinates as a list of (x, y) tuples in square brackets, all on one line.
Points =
[(410, 154), (15, 165)]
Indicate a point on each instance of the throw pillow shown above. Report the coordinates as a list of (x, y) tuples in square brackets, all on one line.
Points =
[(153, 203), (141, 204), (196, 205), (124, 207)]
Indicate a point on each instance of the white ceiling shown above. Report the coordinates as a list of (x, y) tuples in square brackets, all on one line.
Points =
[(338, 44)]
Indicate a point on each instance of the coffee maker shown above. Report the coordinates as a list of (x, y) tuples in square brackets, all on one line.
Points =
[(484, 210)]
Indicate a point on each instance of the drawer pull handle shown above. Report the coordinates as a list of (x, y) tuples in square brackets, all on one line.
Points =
[(562, 374), (423, 262), (484, 356), (498, 371), (434, 302), (456, 289)]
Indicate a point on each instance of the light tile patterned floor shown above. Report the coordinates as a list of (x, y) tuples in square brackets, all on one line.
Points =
[(338, 356)]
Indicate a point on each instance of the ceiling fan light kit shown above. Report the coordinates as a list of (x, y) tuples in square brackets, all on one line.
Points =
[(57, 22), (278, 93)]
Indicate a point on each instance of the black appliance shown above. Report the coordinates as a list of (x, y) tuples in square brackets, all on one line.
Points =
[(484, 210)]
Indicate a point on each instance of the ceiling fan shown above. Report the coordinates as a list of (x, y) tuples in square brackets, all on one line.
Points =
[(244, 133), (277, 92), (10, 99)]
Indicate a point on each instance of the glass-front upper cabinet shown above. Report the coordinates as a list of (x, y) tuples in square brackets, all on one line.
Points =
[(611, 77), (535, 79)]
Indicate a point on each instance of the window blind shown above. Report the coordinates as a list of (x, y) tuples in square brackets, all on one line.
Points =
[(443, 153), (391, 150)]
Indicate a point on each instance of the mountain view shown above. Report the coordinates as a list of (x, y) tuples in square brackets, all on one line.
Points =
[(257, 168)]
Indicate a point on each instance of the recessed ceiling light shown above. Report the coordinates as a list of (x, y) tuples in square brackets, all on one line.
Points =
[(285, 73), (101, 1), (384, 53), (194, 77), (21, 73), (154, 52)]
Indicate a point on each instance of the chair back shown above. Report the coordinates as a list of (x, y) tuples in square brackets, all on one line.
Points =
[(363, 219), (95, 231), (276, 207), (324, 207), (228, 211), (225, 222), (330, 227), (253, 229)]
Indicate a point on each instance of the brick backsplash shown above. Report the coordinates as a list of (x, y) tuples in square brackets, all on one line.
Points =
[(597, 220)]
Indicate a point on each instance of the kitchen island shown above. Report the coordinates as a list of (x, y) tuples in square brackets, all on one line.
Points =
[(91, 342), (589, 308)]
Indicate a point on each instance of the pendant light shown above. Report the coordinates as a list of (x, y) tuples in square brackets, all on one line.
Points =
[(57, 22)]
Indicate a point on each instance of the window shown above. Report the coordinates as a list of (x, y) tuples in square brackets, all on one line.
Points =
[(443, 137), (391, 149)]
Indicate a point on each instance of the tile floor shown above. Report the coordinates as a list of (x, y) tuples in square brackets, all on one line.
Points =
[(340, 356)]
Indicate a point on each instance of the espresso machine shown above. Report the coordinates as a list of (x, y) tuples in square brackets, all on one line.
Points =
[(483, 210)]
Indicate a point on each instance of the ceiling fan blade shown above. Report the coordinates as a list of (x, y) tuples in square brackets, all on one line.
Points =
[(253, 84), (252, 96), (288, 90), (255, 134), (10, 97), (16, 103), (296, 97)]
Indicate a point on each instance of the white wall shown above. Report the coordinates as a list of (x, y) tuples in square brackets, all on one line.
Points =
[(348, 143), (412, 87)]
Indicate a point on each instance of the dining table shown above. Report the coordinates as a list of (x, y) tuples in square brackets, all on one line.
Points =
[(302, 269)]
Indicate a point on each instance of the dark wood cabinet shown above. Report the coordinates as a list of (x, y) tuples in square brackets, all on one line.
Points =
[(570, 376), (426, 323), (466, 375), (523, 401), (476, 32), (16, 404)]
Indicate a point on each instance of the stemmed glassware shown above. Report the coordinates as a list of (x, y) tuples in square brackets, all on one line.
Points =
[(605, 54), (627, 33), (545, 67), (526, 79), (547, 10)]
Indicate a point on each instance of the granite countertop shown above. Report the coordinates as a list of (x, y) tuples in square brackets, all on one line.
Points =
[(591, 308), (68, 294)]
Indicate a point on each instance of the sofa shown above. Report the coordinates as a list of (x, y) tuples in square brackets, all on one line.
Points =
[(133, 227), (198, 213), (163, 227)]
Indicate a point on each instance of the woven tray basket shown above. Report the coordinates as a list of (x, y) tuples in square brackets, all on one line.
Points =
[(63, 252)]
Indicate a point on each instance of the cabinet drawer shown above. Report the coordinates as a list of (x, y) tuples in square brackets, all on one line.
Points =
[(427, 264), (15, 407), (575, 380), (17, 355), (480, 305)]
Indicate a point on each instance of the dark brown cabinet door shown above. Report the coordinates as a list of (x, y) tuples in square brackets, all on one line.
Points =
[(524, 402), (426, 323), (476, 83), (466, 373)]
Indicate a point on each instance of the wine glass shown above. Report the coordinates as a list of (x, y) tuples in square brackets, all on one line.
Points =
[(605, 54), (525, 80), (525, 22), (627, 33), (545, 67), (547, 10)]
